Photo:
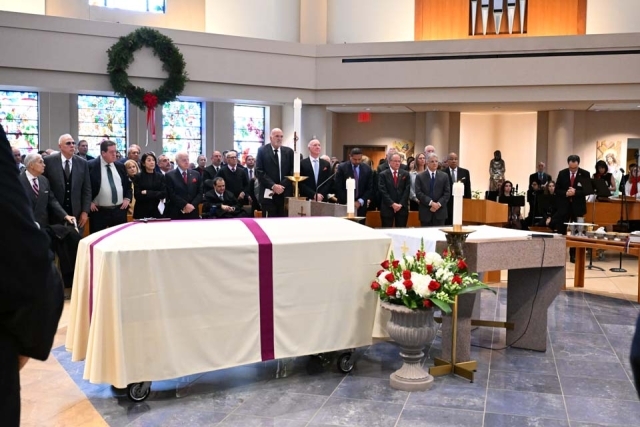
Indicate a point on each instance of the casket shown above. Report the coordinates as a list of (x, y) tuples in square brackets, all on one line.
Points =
[(161, 300)]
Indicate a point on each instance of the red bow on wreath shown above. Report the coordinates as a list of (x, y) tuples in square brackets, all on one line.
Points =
[(151, 102)]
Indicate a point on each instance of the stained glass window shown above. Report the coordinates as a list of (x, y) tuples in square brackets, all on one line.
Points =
[(155, 6), (248, 129), (19, 116), (182, 128), (101, 117)]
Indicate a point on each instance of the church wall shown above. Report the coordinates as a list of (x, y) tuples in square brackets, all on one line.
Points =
[(23, 6), (613, 16)]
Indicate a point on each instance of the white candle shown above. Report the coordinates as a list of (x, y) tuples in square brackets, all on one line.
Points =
[(297, 127), (458, 194), (351, 195)]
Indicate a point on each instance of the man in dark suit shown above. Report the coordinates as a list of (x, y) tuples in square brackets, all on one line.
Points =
[(570, 197), (456, 174), (634, 356), (69, 178), (110, 189), (433, 190), (223, 202), (317, 171), (540, 176), (212, 170), (235, 178), (44, 203), (31, 295), (184, 189), (83, 149), (274, 162), (394, 185), (354, 168), (385, 165), (133, 153)]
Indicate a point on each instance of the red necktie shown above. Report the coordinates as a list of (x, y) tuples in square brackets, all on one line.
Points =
[(573, 178), (395, 178), (184, 177), (35, 187)]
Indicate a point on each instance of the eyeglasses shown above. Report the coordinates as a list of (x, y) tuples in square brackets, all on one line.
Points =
[(70, 143)]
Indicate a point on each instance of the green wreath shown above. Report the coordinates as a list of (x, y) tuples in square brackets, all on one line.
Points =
[(121, 56)]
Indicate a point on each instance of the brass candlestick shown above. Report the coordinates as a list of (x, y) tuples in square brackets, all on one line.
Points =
[(296, 178), (456, 236)]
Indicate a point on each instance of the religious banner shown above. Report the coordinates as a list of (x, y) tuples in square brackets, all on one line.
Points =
[(404, 148), (611, 153)]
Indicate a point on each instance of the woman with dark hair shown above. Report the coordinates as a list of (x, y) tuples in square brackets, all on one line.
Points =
[(550, 208), (515, 215), (602, 172), (149, 188)]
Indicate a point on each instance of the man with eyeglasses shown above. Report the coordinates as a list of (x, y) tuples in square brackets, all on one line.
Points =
[(68, 175), (83, 149), (235, 178)]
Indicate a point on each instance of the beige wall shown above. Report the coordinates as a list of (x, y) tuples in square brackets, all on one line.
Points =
[(180, 14), (613, 16), (383, 130), (23, 6), (513, 134)]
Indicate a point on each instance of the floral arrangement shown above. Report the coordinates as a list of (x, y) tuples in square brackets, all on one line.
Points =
[(425, 280), (475, 194)]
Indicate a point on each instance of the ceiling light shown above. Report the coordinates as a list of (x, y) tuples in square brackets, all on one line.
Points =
[(367, 109)]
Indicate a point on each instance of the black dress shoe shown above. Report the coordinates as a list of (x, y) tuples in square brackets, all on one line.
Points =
[(572, 260)]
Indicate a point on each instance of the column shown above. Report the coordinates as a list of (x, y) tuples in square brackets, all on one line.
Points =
[(542, 139), (314, 124), (137, 132), (313, 21), (437, 132), (222, 126), (560, 142)]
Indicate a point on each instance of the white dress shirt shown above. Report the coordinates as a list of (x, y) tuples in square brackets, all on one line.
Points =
[(104, 195), (64, 160)]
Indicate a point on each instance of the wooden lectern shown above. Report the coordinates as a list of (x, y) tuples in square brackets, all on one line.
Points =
[(476, 211), (310, 208)]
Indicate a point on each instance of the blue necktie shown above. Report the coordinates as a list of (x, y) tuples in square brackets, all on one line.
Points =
[(315, 169), (432, 183)]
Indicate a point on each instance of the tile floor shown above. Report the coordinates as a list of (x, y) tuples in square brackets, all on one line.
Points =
[(582, 380)]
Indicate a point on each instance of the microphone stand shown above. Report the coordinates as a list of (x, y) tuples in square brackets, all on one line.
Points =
[(593, 221), (622, 226), (323, 183)]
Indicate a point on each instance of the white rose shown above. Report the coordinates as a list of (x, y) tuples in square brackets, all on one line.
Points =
[(406, 262), (421, 284), (401, 290), (433, 258), (381, 279)]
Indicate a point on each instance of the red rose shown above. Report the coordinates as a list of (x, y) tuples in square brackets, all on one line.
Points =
[(420, 255), (379, 273), (408, 284), (462, 265), (427, 303), (430, 269), (434, 286), (395, 263), (391, 291), (445, 253), (390, 277), (385, 264), (375, 285), (406, 275), (456, 279)]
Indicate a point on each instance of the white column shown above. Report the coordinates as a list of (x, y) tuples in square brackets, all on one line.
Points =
[(368, 21), (313, 21), (437, 132), (263, 19), (560, 144)]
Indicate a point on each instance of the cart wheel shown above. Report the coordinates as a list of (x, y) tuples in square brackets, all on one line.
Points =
[(345, 364), (138, 392)]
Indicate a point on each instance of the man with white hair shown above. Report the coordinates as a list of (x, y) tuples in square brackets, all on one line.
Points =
[(184, 189), (44, 203), (433, 191), (133, 153), (318, 173), (385, 165), (274, 162), (68, 176)]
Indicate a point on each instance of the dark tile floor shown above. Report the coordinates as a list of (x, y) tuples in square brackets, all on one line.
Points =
[(582, 380)]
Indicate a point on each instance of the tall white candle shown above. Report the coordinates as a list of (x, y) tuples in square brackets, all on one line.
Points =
[(297, 127), (351, 195), (458, 194)]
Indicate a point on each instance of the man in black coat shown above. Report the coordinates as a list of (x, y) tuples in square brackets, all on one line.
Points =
[(433, 190), (110, 189), (68, 176), (318, 173), (221, 203), (212, 170), (354, 168), (236, 179), (31, 295), (274, 162), (456, 174), (634, 356), (540, 176), (570, 197), (394, 185), (184, 189)]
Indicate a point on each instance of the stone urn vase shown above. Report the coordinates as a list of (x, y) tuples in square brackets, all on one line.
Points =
[(412, 330)]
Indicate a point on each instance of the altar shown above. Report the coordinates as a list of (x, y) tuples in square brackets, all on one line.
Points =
[(161, 300), (536, 273)]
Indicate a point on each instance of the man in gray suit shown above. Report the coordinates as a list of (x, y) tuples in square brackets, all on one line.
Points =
[(433, 191), (43, 202), (68, 175)]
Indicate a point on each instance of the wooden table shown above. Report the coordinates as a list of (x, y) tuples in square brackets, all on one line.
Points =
[(608, 213), (583, 243)]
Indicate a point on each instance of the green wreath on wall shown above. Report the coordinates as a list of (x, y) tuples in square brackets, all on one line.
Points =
[(121, 55)]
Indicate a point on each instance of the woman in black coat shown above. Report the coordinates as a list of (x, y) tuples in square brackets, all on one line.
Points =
[(148, 188)]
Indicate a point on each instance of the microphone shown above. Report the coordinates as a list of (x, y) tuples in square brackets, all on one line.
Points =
[(516, 188), (323, 183)]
